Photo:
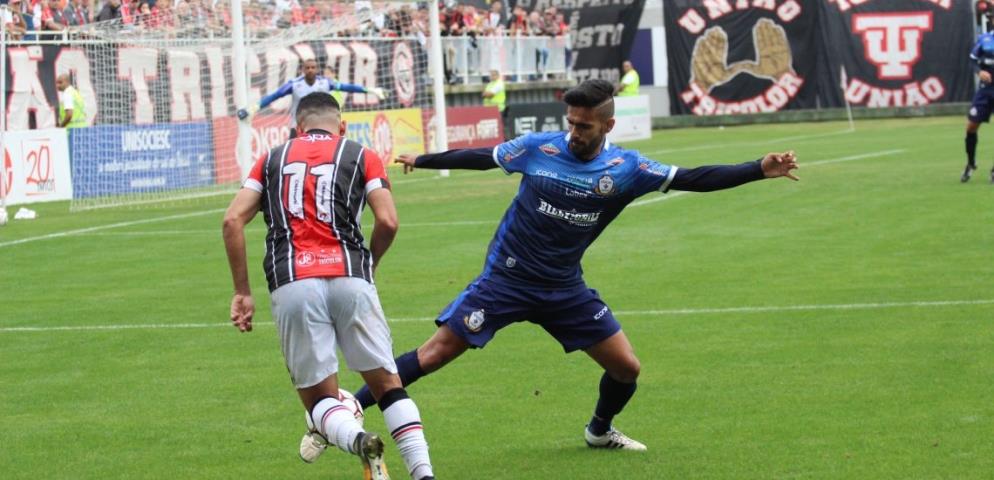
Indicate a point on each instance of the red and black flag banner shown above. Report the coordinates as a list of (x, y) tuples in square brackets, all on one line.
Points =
[(896, 53), (741, 56)]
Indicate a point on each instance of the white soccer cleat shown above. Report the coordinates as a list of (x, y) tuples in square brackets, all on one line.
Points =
[(312, 445), (613, 439)]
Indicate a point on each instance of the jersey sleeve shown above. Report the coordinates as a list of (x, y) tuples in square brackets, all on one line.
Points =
[(652, 176), (256, 175), (284, 90), (512, 156), (375, 172)]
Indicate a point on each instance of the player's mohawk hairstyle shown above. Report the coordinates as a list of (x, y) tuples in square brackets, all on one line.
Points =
[(589, 94)]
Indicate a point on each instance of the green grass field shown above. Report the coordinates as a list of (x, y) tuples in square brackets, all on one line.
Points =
[(837, 327)]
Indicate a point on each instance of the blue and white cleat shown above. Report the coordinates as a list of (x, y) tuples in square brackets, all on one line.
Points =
[(613, 439)]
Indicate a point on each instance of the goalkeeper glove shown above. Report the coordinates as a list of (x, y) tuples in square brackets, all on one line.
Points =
[(245, 113), (379, 92)]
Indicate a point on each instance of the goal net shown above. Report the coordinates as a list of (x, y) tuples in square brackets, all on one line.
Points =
[(160, 94)]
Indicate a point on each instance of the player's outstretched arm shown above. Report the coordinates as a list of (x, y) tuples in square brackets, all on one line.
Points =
[(353, 88), (284, 90), (780, 165), (462, 159), (241, 211), (385, 224), (709, 178)]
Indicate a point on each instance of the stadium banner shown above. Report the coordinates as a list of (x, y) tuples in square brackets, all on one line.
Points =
[(37, 166), (122, 159), (109, 75), (468, 127), (389, 132), (734, 56), (632, 119), (526, 118), (602, 33), (268, 131), (896, 53)]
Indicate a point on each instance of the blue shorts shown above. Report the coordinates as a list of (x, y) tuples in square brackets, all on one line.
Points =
[(980, 109), (576, 317)]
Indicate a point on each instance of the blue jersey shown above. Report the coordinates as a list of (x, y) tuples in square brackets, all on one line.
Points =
[(983, 53), (562, 205)]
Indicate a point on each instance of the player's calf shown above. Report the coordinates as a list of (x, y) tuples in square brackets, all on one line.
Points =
[(404, 423)]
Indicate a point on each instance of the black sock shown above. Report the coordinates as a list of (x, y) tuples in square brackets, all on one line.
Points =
[(614, 397), (409, 370), (971, 148)]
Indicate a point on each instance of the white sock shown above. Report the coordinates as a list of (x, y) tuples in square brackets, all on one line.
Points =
[(336, 423), (404, 423)]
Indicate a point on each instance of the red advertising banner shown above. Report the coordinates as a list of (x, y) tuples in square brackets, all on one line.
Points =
[(468, 127)]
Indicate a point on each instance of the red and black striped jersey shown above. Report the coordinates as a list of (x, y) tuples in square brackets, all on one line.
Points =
[(313, 190)]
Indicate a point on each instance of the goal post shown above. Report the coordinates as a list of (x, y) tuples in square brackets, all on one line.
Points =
[(162, 104)]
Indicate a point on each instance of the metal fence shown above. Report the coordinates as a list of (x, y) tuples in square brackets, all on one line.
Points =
[(469, 59)]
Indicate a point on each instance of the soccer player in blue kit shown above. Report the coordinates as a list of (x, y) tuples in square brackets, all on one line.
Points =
[(574, 184), (980, 111)]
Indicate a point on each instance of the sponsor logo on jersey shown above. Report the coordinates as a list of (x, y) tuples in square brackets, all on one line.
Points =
[(546, 173), (305, 259), (601, 313), (650, 169), (549, 149), (605, 185), (514, 150), (474, 321), (582, 182), (580, 219), (573, 193), (511, 262)]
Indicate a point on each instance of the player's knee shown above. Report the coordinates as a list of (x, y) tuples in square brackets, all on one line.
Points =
[(628, 371)]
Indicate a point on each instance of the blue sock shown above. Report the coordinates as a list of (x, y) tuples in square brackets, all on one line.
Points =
[(409, 371), (614, 397)]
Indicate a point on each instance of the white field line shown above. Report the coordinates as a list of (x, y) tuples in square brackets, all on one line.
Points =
[(756, 143), (98, 228), (620, 313), (882, 153), (147, 233)]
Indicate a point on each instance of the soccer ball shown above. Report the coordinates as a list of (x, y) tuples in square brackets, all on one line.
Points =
[(352, 404)]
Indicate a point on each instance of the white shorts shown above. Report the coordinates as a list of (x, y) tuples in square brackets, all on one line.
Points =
[(314, 315)]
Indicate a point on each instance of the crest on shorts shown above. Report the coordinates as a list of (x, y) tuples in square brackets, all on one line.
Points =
[(605, 185), (474, 321)]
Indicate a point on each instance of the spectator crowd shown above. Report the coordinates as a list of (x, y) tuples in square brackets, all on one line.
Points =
[(264, 17)]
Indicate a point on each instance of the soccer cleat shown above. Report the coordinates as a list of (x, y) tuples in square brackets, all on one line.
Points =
[(992, 176), (612, 439), (312, 445), (968, 172), (369, 447)]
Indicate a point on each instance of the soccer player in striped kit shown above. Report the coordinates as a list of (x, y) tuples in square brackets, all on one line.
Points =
[(311, 191)]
